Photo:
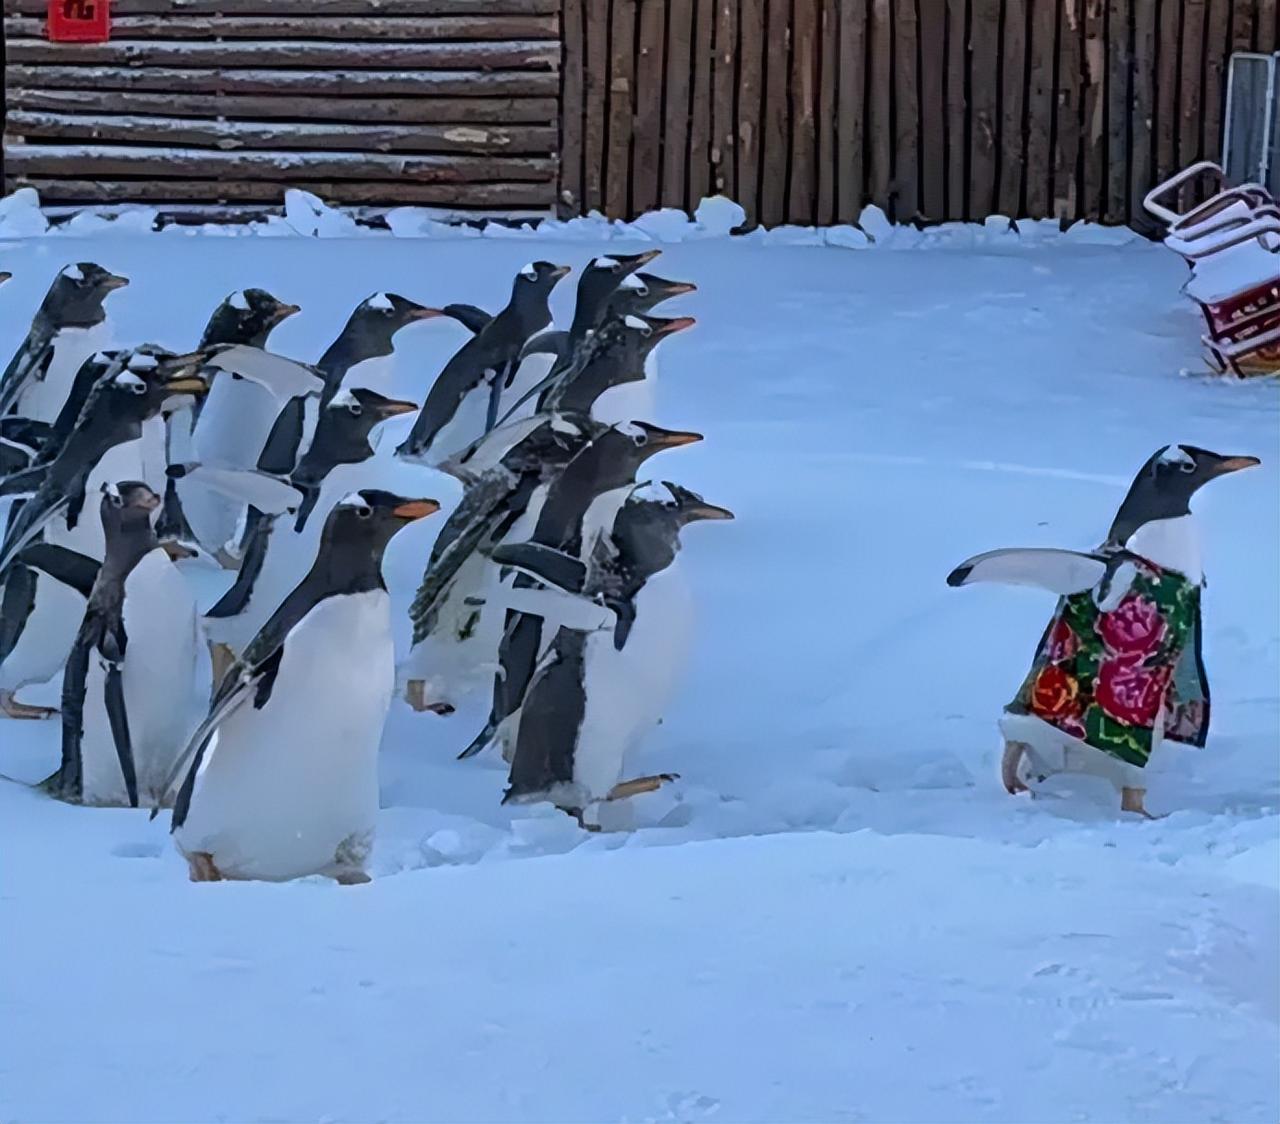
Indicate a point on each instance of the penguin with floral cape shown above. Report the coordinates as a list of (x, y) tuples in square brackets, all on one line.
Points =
[(1120, 667)]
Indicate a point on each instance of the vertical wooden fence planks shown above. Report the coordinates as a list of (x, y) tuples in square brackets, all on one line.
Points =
[(1012, 94), (933, 111), (1119, 109), (850, 110)]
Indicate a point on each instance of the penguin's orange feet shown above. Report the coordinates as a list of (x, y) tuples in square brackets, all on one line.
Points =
[(623, 789), (1009, 762), (1135, 800), (579, 814), (351, 878), (11, 708), (201, 867)]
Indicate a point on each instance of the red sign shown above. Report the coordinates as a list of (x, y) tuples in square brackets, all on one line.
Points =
[(79, 21)]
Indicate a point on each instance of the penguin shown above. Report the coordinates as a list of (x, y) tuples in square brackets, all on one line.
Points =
[(547, 356), (40, 617), (461, 404), (457, 626), (129, 687), (69, 326), (246, 317), (597, 693), (1119, 668), (281, 547), (580, 504), (281, 778), (273, 435)]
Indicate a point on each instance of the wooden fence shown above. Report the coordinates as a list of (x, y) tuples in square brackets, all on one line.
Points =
[(449, 102), (803, 110)]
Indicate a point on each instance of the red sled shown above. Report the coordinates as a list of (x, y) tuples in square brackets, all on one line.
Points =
[(79, 21)]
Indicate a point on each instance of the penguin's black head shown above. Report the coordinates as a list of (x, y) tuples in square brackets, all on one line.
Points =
[(689, 507), (128, 504), (246, 317), (640, 292), (343, 428), (363, 522), (1164, 486), (644, 440), (376, 320), (75, 298), (599, 282), (537, 278), (153, 380)]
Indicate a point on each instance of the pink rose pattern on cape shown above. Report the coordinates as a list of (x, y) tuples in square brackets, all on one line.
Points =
[(1106, 677)]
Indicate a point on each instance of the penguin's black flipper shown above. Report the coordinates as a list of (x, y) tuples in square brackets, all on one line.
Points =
[(29, 364), (17, 601), (70, 567), (1059, 571), (258, 528), (280, 454), (13, 458), (118, 717), (470, 317), (554, 709), (24, 481), (482, 739), (553, 567)]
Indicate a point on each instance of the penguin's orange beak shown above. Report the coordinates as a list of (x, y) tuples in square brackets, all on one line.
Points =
[(393, 408), (676, 324), (679, 288), (709, 511), (561, 271), (114, 281), (422, 312), (415, 509), (1235, 464), (674, 438), (284, 311)]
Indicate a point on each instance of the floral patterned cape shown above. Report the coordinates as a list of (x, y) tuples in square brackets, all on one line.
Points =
[(1107, 677)]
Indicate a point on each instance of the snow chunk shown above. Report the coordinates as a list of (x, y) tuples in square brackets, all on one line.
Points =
[(128, 221), (308, 215), (380, 301), (238, 302), (1095, 234), (20, 215), (718, 215), (875, 224), (847, 237), (665, 225)]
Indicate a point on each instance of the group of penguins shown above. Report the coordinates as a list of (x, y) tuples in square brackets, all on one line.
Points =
[(551, 587)]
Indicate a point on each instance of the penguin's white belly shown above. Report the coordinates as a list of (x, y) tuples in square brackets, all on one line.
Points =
[(627, 692), (43, 400), (283, 788), (532, 370), (1173, 544), (46, 639), (600, 515), (632, 401), (466, 426), (460, 657), (234, 424), (158, 677)]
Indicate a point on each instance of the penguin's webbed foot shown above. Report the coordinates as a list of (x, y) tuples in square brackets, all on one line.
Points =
[(1135, 800), (623, 789), (12, 708), (351, 877), (201, 867), (579, 815), (1009, 762)]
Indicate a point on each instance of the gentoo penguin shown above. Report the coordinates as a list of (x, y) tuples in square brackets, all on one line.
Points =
[(281, 547), (69, 326), (282, 779), (107, 435), (129, 687), (246, 317), (40, 616), (459, 407), (1119, 668), (596, 694), (457, 626), (548, 355), (580, 504)]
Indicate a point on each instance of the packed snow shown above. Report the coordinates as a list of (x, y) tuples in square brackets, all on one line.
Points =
[(836, 914)]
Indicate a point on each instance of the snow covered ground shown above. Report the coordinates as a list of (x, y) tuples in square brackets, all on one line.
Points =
[(837, 914)]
